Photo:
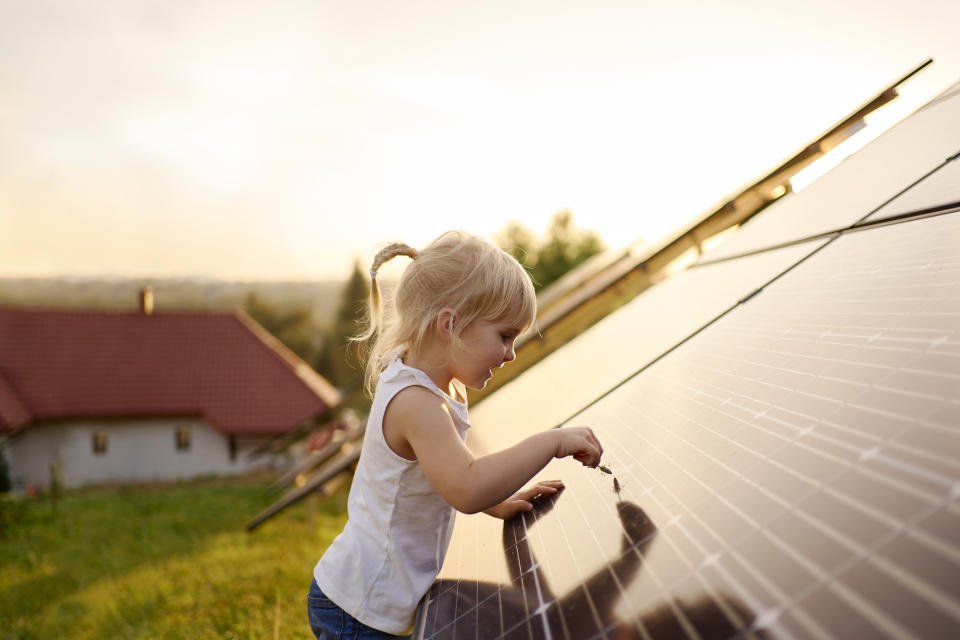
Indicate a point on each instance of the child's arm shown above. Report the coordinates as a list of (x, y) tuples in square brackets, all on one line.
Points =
[(472, 484)]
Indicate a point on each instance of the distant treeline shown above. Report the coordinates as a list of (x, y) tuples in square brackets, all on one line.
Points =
[(320, 297)]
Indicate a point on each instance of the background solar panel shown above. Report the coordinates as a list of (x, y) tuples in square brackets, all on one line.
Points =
[(790, 471), (860, 184), (939, 189)]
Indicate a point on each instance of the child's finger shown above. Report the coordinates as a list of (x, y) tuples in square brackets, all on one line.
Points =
[(589, 457), (596, 442), (556, 484)]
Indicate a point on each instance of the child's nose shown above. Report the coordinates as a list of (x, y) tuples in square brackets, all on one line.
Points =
[(509, 355)]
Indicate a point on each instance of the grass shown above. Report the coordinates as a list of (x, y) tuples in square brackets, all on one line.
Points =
[(159, 562)]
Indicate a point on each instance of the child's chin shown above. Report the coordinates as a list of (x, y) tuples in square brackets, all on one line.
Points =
[(479, 384)]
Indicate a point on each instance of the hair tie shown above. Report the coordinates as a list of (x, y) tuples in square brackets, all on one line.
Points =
[(391, 251)]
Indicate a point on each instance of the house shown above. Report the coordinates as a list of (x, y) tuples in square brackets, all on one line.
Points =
[(105, 396)]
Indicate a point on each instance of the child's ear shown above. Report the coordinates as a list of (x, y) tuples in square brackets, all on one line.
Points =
[(445, 321)]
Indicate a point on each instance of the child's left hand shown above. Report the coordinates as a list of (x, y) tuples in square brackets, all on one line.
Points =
[(523, 500)]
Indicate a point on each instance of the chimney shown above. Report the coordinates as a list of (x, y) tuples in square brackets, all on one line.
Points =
[(146, 300)]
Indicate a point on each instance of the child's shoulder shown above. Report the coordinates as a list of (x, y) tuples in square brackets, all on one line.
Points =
[(416, 399)]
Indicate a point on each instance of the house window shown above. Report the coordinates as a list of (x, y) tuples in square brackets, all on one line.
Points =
[(99, 442), (182, 437), (233, 448)]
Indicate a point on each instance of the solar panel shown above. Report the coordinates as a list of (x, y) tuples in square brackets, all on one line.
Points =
[(789, 470), (937, 190), (792, 471), (860, 184)]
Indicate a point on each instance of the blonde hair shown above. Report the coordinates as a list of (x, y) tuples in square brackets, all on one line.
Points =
[(459, 271)]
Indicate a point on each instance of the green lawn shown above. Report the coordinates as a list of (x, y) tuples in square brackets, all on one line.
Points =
[(167, 562)]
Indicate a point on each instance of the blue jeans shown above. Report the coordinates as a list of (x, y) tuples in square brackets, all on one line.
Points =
[(330, 622)]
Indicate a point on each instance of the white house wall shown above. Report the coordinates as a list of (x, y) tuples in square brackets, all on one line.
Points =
[(137, 451)]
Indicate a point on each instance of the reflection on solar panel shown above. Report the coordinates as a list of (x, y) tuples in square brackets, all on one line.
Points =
[(791, 470)]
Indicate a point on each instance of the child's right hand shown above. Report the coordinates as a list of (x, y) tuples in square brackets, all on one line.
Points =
[(581, 443)]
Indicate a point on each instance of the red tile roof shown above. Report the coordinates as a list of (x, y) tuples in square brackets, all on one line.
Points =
[(225, 367)]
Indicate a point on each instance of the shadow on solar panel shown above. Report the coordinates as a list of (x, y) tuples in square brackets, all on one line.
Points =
[(526, 607)]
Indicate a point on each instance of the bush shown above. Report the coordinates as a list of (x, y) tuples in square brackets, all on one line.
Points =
[(4, 473), (11, 513)]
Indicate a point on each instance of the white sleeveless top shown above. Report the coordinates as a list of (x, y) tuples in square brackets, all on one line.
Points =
[(399, 528)]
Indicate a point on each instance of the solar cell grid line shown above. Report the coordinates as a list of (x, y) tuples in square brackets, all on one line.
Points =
[(520, 559), (431, 620), (663, 595), (473, 593), (587, 598), (562, 626), (542, 604), (606, 620), (581, 583), (540, 599)]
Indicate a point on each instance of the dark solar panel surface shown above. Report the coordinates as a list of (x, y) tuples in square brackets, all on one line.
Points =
[(790, 471)]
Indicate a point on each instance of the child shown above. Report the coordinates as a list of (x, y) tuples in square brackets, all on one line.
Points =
[(457, 310)]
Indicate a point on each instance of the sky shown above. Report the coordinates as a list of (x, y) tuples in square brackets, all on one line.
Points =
[(286, 140)]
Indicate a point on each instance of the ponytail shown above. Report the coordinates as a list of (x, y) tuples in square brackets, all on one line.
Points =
[(375, 308)]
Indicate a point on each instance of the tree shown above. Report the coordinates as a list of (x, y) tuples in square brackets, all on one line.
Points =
[(518, 241), (294, 328), (339, 359), (563, 248)]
